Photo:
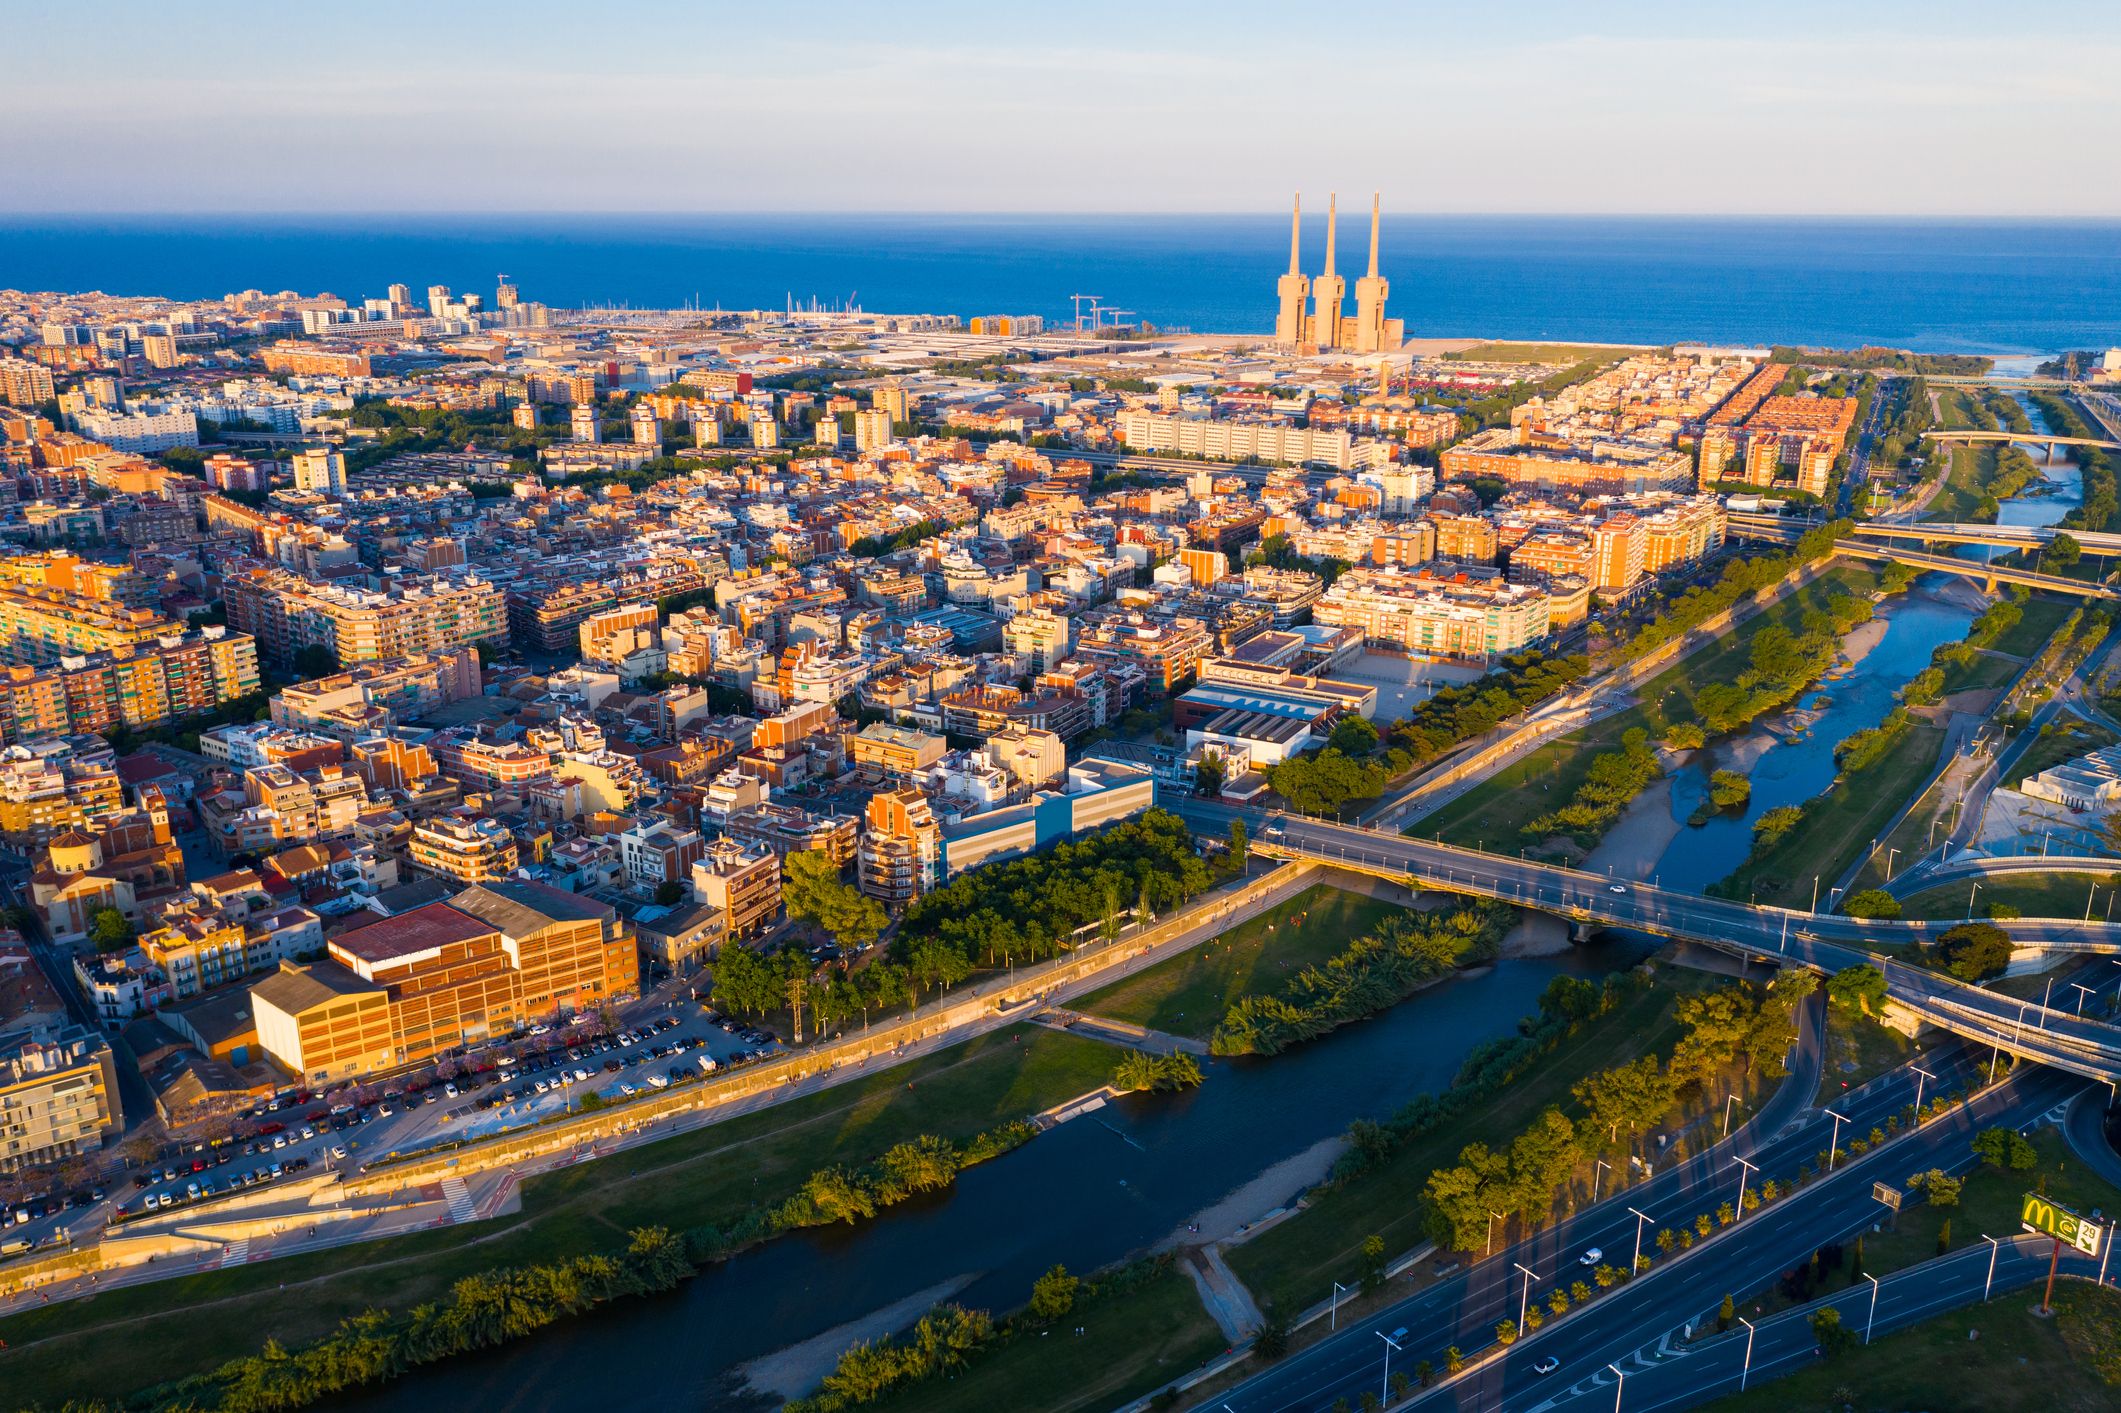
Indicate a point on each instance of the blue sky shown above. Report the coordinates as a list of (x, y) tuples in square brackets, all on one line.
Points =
[(1858, 107)]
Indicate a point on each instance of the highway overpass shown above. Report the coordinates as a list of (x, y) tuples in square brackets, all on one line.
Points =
[(1781, 531), (1825, 941), (2046, 439)]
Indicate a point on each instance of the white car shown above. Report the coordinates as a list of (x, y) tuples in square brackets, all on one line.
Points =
[(1591, 1257), (338, 1151), (1620, 888), (543, 1086)]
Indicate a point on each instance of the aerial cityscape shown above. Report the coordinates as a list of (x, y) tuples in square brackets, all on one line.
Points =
[(734, 793)]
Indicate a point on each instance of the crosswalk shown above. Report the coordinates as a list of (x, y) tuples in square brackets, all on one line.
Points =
[(236, 1252), (459, 1199)]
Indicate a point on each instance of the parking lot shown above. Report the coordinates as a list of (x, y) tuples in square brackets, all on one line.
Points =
[(543, 1073)]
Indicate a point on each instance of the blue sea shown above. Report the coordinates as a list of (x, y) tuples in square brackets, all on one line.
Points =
[(1939, 286)]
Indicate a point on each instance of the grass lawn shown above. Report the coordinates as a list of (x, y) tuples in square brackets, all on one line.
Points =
[(1132, 1344), (1188, 994), (1988, 1202), (2061, 740), (2033, 895), (1542, 352), (1858, 1050), (1293, 1264), (2020, 1363), (2030, 633), (1960, 497), (115, 1343), (1494, 813), (1989, 670), (1839, 825)]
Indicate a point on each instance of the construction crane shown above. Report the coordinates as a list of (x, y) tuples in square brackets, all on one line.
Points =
[(1116, 315), (1079, 298)]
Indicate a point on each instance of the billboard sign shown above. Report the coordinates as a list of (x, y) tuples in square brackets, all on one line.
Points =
[(2050, 1218), (1887, 1193)]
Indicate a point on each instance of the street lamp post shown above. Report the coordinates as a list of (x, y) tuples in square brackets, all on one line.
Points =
[(1390, 1348), (1524, 1297), (1873, 1317), (1746, 1171), (1333, 1315), (1833, 1146), (1923, 1076), (1618, 1388), (2082, 991), (1597, 1177), (1746, 1369), (1493, 1217), (1641, 1220), (1728, 1100), (1993, 1247)]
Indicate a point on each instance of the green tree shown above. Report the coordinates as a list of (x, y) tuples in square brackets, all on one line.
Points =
[(1625, 1099), (1373, 1262), (670, 891), (1272, 1341), (1728, 790), (1209, 774), (815, 893), (1940, 1187), (2063, 551), (1240, 845), (314, 661), (1833, 1337), (2005, 1148), (109, 930), (1872, 903), (1859, 988), (1726, 1313), (1975, 951), (1053, 1295)]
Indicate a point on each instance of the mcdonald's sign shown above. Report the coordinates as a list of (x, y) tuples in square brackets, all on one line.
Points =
[(2049, 1218)]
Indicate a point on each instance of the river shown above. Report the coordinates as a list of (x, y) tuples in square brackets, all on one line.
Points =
[(1092, 1191), (1789, 756)]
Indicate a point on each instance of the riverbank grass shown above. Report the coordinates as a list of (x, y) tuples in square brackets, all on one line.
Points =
[(2019, 1363), (1131, 1344), (1294, 1263), (1493, 814), (1188, 994), (1838, 826), (112, 1344)]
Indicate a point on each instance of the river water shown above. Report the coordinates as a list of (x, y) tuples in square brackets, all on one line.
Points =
[(1789, 756), (1090, 1192)]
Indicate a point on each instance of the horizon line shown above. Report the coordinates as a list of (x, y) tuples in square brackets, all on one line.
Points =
[(19, 217)]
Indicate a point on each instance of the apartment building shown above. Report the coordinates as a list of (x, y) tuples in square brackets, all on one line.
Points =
[(142, 687), (58, 1093), (1237, 441), (53, 784), (307, 359), (466, 847), (901, 855), (886, 752), (658, 851), (744, 885), (1168, 652), (286, 613), (372, 696), (24, 383), (1426, 615)]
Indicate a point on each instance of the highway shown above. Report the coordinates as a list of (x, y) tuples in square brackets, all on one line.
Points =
[(1826, 941), (1463, 1310)]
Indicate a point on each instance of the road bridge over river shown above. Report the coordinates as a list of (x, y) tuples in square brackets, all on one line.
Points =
[(1824, 941)]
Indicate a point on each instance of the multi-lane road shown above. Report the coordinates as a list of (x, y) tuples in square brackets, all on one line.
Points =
[(1639, 1325), (2052, 1036)]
